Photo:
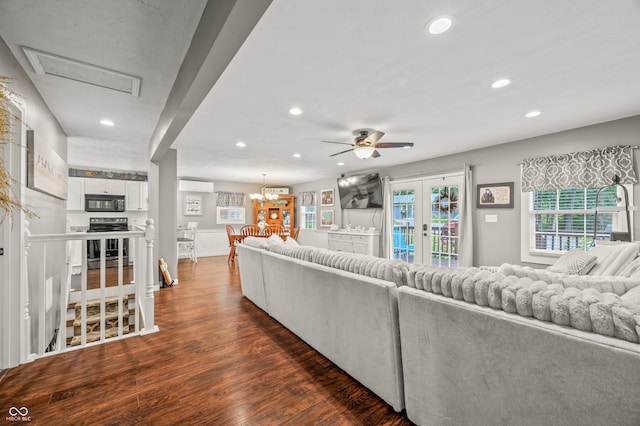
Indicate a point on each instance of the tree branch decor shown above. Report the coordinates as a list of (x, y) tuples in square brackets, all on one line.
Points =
[(9, 200)]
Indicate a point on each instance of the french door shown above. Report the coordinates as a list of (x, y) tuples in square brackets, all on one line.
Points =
[(426, 221)]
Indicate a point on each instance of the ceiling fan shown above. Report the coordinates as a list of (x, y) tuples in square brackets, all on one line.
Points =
[(366, 145)]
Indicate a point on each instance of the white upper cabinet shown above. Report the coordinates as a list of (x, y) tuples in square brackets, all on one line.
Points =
[(104, 186), (137, 196), (75, 194)]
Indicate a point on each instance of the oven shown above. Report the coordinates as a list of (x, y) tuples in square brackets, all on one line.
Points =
[(94, 249)]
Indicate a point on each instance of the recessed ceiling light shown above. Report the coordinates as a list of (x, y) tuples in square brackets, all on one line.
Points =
[(240, 144), (107, 122), (532, 114), (501, 83), (296, 155), (295, 111), (341, 164), (439, 24)]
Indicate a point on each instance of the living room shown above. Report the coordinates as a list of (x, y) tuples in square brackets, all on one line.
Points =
[(570, 63)]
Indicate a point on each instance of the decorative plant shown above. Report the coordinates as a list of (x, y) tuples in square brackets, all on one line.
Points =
[(9, 200)]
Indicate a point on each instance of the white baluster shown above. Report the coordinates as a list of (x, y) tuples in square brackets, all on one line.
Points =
[(149, 317), (25, 334)]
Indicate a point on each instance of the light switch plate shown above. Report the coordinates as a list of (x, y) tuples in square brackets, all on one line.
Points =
[(493, 218)]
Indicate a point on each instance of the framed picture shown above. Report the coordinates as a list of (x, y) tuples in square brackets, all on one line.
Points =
[(495, 196), (193, 205), (326, 198), (326, 217), (46, 170), (230, 215)]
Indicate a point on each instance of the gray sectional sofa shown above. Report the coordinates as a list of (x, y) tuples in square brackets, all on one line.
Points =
[(351, 319), (500, 345)]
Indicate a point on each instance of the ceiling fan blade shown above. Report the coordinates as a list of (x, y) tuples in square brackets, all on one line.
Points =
[(374, 137), (375, 154), (341, 143), (342, 152), (394, 145)]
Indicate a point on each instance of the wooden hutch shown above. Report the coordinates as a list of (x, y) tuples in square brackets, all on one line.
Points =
[(275, 212)]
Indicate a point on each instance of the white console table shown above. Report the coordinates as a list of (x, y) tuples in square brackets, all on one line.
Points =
[(355, 242)]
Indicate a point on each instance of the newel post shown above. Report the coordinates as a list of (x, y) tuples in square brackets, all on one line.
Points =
[(149, 315), (25, 320)]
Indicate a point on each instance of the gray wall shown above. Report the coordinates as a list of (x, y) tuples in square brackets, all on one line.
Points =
[(496, 243), (51, 211), (167, 217), (208, 218)]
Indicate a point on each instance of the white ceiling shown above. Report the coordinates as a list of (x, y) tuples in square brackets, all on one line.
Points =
[(348, 65)]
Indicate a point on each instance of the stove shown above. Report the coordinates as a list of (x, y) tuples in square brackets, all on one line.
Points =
[(107, 224)]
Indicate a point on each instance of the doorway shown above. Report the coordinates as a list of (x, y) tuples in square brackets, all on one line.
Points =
[(426, 220)]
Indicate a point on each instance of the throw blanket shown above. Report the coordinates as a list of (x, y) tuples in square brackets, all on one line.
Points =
[(582, 307)]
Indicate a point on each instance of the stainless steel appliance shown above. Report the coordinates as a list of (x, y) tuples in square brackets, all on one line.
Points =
[(107, 224), (103, 203)]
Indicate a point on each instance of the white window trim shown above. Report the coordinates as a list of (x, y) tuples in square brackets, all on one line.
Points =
[(547, 257), (302, 218)]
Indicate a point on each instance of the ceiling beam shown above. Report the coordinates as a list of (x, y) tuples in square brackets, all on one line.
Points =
[(223, 28)]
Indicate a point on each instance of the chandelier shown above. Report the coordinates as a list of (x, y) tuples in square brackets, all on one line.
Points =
[(263, 195)]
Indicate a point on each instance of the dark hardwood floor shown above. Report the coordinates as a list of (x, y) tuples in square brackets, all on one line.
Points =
[(217, 360)]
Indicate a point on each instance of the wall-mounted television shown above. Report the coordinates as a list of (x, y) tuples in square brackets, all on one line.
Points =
[(360, 191)]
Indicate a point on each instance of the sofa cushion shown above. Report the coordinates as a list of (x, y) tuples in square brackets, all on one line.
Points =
[(632, 298), (575, 262)]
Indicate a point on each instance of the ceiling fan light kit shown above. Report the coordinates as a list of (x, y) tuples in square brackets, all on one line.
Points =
[(366, 145), (363, 152)]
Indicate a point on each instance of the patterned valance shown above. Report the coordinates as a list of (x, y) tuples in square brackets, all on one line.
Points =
[(588, 169), (230, 199), (308, 198)]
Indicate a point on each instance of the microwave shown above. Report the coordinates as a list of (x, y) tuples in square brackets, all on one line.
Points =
[(103, 203)]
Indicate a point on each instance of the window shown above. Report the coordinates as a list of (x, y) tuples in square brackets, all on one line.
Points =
[(561, 220), (230, 215), (308, 215), (403, 225)]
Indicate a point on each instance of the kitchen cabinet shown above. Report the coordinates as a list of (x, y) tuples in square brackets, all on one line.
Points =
[(355, 242), (104, 186), (75, 193), (137, 195), (275, 212)]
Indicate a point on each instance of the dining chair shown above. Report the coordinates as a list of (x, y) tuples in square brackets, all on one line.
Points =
[(275, 230), (187, 241), (232, 243), (295, 233), (253, 230)]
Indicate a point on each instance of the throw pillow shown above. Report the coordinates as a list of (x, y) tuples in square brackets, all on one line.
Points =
[(613, 257), (275, 239), (291, 242), (632, 269), (574, 262)]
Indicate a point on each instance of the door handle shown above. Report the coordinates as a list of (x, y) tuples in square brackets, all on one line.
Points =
[(425, 229)]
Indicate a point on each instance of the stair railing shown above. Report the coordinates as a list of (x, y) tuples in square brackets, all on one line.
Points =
[(50, 293)]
